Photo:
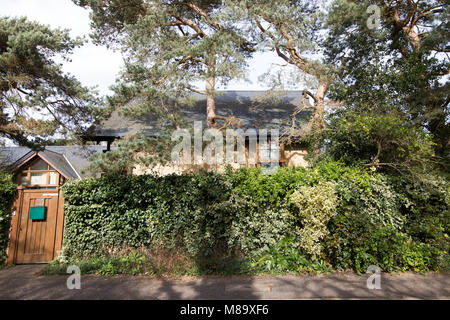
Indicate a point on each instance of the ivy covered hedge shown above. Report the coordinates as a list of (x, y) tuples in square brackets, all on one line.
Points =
[(202, 214), (273, 220), (7, 192)]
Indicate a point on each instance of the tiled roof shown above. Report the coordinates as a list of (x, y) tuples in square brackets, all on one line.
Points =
[(69, 160), (248, 106)]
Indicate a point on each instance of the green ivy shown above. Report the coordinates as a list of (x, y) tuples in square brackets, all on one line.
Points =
[(7, 192), (392, 222), (201, 213)]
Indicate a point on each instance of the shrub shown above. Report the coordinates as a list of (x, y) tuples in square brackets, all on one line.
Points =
[(316, 205), (280, 258), (343, 217), (387, 248), (201, 213), (381, 140), (114, 212), (7, 192), (265, 216), (426, 210), (425, 206), (372, 199), (284, 257)]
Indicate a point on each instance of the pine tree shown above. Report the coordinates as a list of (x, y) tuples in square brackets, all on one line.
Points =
[(32, 83), (291, 29), (169, 46)]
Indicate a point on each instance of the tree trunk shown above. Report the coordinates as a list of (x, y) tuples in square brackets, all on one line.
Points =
[(319, 109), (317, 120), (210, 95)]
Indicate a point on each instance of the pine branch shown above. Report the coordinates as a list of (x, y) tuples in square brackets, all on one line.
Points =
[(202, 13)]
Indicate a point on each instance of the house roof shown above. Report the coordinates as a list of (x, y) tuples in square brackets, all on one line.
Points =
[(70, 161), (249, 107), (60, 163)]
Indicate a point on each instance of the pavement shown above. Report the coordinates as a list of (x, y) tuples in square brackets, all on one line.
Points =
[(23, 282)]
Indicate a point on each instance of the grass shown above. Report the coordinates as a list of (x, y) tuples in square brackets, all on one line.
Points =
[(155, 262), (173, 264)]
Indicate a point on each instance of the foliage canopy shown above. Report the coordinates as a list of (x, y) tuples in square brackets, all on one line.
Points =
[(37, 99)]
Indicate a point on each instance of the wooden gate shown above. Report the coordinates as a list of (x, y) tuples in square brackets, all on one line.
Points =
[(36, 240)]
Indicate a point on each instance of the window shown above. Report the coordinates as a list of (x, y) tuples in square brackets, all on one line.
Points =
[(267, 155), (53, 177), (38, 178), (39, 174)]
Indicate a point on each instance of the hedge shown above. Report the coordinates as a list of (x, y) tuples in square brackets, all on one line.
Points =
[(199, 213), (7, 192), (393, 222)]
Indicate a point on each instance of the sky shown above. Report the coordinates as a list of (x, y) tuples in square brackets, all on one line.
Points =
[(96, 65)]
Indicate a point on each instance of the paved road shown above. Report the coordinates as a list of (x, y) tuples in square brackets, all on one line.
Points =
[(22, 282)]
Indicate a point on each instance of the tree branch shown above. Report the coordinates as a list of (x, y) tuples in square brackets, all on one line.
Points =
[(191, 24), (423, 15), (202, 13), (197, 91)]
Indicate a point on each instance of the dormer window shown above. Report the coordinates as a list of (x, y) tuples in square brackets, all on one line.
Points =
[(39, 174)]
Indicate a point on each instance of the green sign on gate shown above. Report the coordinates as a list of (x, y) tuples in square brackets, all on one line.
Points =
[(37, 213)]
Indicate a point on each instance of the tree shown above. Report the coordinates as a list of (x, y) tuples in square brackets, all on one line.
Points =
[(291, 29), (36, 98), (169, 46), (400, 66), (384, 141)]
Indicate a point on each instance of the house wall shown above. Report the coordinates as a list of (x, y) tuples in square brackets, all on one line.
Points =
[(296, 158), (291, 158)]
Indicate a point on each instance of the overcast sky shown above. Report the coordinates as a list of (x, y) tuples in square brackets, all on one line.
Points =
[(96, 65)]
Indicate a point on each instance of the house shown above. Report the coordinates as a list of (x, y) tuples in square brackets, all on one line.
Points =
[(252, 109), (37, 215)]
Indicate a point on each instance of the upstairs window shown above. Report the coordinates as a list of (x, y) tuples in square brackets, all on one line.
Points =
[(39, 174)]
